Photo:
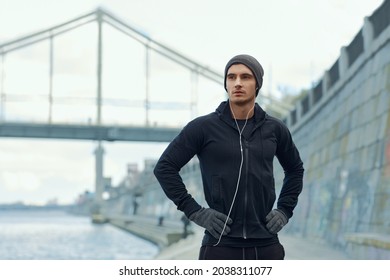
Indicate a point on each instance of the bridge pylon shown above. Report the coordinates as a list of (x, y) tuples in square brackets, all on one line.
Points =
[(99, 167)]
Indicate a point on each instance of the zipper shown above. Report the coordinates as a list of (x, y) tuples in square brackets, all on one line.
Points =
[(246, 159)]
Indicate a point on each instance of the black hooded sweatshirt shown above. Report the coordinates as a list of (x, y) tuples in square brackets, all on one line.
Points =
[(214, 139)]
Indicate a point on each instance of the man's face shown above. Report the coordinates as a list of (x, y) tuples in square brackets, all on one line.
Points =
[(240, 84)]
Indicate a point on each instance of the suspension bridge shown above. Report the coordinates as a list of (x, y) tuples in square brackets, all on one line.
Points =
[(56, 84)]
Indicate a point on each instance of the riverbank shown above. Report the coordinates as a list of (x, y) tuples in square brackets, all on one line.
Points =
[(169, 238), (162, 233)]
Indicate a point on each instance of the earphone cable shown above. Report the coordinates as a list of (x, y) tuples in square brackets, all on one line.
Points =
[(239, 171)]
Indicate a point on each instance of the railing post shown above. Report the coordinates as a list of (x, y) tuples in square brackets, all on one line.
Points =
[(325, 83), (343, 62), (368, 33)]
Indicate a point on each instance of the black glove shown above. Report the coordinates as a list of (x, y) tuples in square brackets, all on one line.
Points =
[(212, 220), (276, 220)]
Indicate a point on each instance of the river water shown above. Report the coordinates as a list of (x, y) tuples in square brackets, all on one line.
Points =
[(56, 235)]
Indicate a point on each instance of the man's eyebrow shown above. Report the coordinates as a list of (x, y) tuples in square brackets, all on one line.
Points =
[(241, 74)]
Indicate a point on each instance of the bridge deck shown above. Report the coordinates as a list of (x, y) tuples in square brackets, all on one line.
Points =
[(88, 132)]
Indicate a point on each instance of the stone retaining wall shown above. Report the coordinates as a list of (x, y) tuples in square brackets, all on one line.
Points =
[(342, 129)]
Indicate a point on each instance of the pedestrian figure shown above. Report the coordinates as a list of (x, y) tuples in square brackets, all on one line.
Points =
[(186, 223)]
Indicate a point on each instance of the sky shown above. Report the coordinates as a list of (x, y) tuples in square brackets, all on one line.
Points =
[(295, 41)]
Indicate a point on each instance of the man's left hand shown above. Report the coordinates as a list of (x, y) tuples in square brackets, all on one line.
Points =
[(276, 220)]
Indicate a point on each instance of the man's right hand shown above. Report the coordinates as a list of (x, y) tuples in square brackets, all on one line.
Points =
[(212, 220)]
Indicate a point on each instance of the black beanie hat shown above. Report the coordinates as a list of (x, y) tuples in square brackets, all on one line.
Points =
[(251, 63)]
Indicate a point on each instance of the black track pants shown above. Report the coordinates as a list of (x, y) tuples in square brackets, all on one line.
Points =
[(272, 252)]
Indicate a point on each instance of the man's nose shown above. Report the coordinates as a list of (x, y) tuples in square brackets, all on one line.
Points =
[(238, 83)]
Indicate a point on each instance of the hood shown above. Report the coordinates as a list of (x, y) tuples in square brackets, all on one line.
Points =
[(224, 113)]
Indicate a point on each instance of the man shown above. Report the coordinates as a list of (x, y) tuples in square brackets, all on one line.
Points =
[(236, 146)]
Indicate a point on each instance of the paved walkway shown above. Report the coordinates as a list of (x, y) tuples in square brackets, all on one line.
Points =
[(299, 248), (296, 249)]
